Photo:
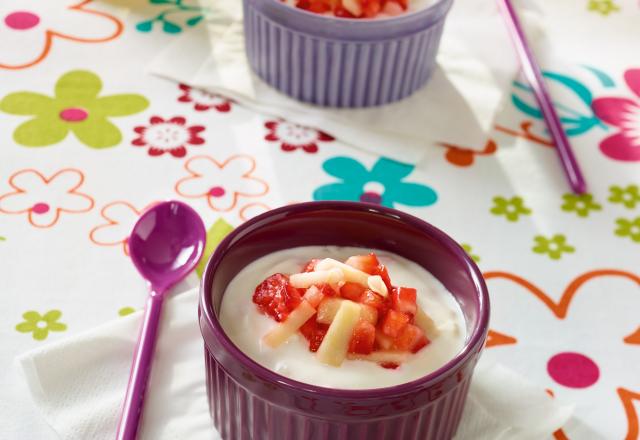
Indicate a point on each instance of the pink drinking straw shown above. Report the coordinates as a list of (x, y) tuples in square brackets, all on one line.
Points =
[(533, 74)]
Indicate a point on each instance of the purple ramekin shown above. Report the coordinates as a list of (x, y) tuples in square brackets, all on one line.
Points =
[(249, 401), (342, 62)]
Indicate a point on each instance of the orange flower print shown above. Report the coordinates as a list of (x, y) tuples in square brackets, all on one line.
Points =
[(43, 198), (120, 217), (464, 157), (582, 360), (34, 25), (222, 184)]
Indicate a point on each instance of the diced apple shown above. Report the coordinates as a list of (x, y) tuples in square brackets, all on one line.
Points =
[(384, 342), (314, 296), (283, 331), (350, 273), (369, 314), (327, 310), (329, 307), (335, 344), (352, 6), (308, 279), (376, 283), (427, 324), (382, 357)]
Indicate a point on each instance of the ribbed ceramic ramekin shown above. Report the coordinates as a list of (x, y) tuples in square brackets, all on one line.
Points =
[(248, 401), (341, 62)]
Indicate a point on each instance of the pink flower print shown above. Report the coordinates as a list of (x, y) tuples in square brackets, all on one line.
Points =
[(120, 217), (293, 136), (30, 29), (168, 136), (222, 184), (42, 198), (623, 113), (203, 100)]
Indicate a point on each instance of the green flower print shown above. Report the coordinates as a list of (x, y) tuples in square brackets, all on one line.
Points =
[(216, 233), (193, 14), (75, 107), (580, 204), (603, 7), (629, 196), (469, 250), (126, 311), (384, 184), (554, 247), (628, 228), (511, 208), (41, 325)]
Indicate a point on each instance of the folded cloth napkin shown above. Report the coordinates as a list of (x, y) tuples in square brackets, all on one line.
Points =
[(78, 384), (476, 63)]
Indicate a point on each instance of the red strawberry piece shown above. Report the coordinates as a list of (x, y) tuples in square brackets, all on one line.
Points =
[(411, 338), (340, 11), (371, 8), (352, 291), (366, 263), (389, 365), (276, 297), (370, 298), (403, 299), (384, 274), (364, 336), (314, 332), (327, 290), (394, 322), (310, 266)]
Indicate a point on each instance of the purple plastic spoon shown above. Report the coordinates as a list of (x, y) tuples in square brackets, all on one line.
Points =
[(165, 244)]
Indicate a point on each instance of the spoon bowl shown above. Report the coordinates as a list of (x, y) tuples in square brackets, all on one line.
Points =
[(165, 245)]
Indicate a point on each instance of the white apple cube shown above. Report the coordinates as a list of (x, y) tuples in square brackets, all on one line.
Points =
[(284, 330), (427, 324), (334, 346), (350, 273), (308, 279), (376, 283)]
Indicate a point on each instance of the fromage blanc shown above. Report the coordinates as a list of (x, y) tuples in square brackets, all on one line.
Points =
[(342, 317)]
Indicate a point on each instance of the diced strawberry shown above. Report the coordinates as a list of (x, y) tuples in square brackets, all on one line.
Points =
[(389, 365), (327, 290), (364, 335), (340, 11), (310, 266), (411, 338), (276, 297), (352, 291), (403, 299), (371, 8), (370, 298), (314, 333), (394, 322), (366, 263), (384, 274)]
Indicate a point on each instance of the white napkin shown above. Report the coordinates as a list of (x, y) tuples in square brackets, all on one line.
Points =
[(78, 385), (476, 66)]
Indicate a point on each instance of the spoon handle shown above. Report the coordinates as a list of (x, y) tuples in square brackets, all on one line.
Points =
[(140, 369)]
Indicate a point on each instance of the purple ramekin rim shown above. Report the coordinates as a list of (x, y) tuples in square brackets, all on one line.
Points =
[(474, 344), (328, 26)]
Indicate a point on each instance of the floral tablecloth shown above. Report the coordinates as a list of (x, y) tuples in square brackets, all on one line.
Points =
[(88, 139)]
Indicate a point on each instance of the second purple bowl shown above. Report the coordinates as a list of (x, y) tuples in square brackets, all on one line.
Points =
[(248, 401), (341, 62)]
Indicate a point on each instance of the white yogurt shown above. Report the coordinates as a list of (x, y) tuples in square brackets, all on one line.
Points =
[(245, 325)]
